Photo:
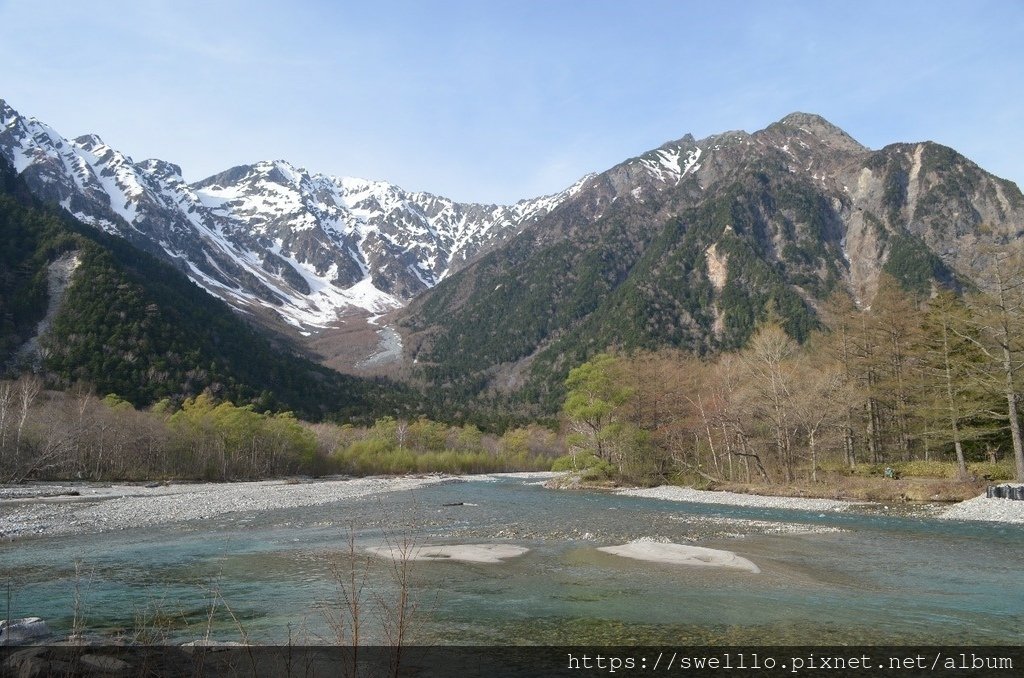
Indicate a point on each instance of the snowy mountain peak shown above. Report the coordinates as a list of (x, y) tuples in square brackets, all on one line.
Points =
[(673, 161)]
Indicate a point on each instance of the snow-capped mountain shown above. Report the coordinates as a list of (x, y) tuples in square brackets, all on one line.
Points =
[(308, 246)]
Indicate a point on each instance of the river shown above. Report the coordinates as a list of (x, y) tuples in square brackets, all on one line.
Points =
[(861, 576)]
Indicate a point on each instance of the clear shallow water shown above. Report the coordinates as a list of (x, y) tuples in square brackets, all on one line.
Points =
[(882, 579)]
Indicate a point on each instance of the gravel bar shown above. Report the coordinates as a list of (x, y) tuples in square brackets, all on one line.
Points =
[(979, 508), (50, 509)]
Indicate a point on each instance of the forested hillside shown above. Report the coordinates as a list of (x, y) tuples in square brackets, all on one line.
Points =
[(132, 325)]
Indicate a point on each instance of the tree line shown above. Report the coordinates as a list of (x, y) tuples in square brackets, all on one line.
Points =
[(907, 379)]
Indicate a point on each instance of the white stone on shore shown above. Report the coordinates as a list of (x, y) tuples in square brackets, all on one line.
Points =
[(467, 553), (681, 554)]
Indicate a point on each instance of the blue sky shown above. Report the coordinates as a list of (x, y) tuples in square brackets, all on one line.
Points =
[(497, 101)]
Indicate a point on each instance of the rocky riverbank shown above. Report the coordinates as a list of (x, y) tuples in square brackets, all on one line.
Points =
[(982, 508), (688, 494)]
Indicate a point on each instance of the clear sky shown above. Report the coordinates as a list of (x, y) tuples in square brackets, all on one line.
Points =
[(496, 101)]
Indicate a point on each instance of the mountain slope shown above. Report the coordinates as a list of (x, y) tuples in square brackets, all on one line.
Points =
[(133, 325), (692, 244), (267, 236)]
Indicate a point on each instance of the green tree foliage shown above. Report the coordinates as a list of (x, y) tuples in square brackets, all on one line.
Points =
[(421, 446), (32, 237), (48, 435), (235, 442), (914, 265), (597, 393)]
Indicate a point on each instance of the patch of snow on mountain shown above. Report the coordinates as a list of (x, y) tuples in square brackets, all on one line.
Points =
[(692, 164), (670, 161), (214, 197), (20, 156), (118, 181), (668, 165), (366, 296)]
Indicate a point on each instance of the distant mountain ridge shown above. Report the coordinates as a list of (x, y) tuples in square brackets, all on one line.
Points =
[(267, 235)]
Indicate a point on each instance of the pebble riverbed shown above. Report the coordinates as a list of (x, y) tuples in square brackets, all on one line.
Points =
[(982, 508), (671, 493)]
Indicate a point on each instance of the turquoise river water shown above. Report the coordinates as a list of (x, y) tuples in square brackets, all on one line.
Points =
[(867, 576)]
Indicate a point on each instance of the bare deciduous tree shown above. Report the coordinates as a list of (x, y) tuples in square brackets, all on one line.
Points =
[(769, 362), (999, 314), (29, 387)]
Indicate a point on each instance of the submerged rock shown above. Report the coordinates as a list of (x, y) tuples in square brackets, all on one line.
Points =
[(19, 631)]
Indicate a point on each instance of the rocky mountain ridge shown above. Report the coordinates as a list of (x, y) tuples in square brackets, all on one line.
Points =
[(267, 235)]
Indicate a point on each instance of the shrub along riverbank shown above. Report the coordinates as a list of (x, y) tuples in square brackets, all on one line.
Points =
[(50, 435)]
